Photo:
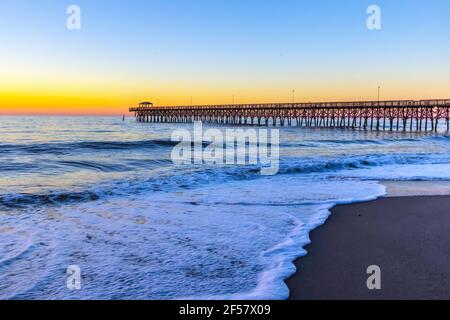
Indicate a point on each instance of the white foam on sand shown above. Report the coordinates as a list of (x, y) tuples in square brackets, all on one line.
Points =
[(233, 240), (314, 202), (236, 240), (406, 180)]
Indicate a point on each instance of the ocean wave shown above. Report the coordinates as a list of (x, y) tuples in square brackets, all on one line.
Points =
[(381, 138), (340, 141), (54, 166), (69, 147), (96, 166), (445, 138), (329, 164), (161, 177), (21, 200)]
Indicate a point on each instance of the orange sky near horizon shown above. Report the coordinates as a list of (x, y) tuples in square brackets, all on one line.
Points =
[(83, 93), (113, 101)]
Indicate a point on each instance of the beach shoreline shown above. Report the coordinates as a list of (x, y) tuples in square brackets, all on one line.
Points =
[(407, 237), (417, 188)]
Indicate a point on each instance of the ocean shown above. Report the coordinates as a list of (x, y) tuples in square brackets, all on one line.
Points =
[(104, 195)]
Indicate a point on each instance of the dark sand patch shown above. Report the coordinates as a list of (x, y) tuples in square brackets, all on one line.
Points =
[(409, 238)]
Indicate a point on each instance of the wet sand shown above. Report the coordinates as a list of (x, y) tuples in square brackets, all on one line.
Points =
[(417, 188), (407, 237)]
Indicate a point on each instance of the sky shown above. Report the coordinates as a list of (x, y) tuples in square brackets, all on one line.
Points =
[(174, 52)]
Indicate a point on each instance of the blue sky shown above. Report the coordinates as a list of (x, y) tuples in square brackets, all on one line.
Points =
[(258, 50)]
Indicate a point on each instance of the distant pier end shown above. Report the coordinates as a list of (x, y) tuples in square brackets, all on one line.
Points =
[(406, 115)]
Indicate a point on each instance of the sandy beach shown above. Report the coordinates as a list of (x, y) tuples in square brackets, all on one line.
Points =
[(407, 237)]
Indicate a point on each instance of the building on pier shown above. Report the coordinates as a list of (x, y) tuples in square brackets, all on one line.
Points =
[(145, 105)]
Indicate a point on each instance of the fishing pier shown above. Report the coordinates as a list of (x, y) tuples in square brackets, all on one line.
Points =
[(404, 115)]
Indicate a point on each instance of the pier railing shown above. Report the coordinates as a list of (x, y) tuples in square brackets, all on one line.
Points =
[(403, 115)]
